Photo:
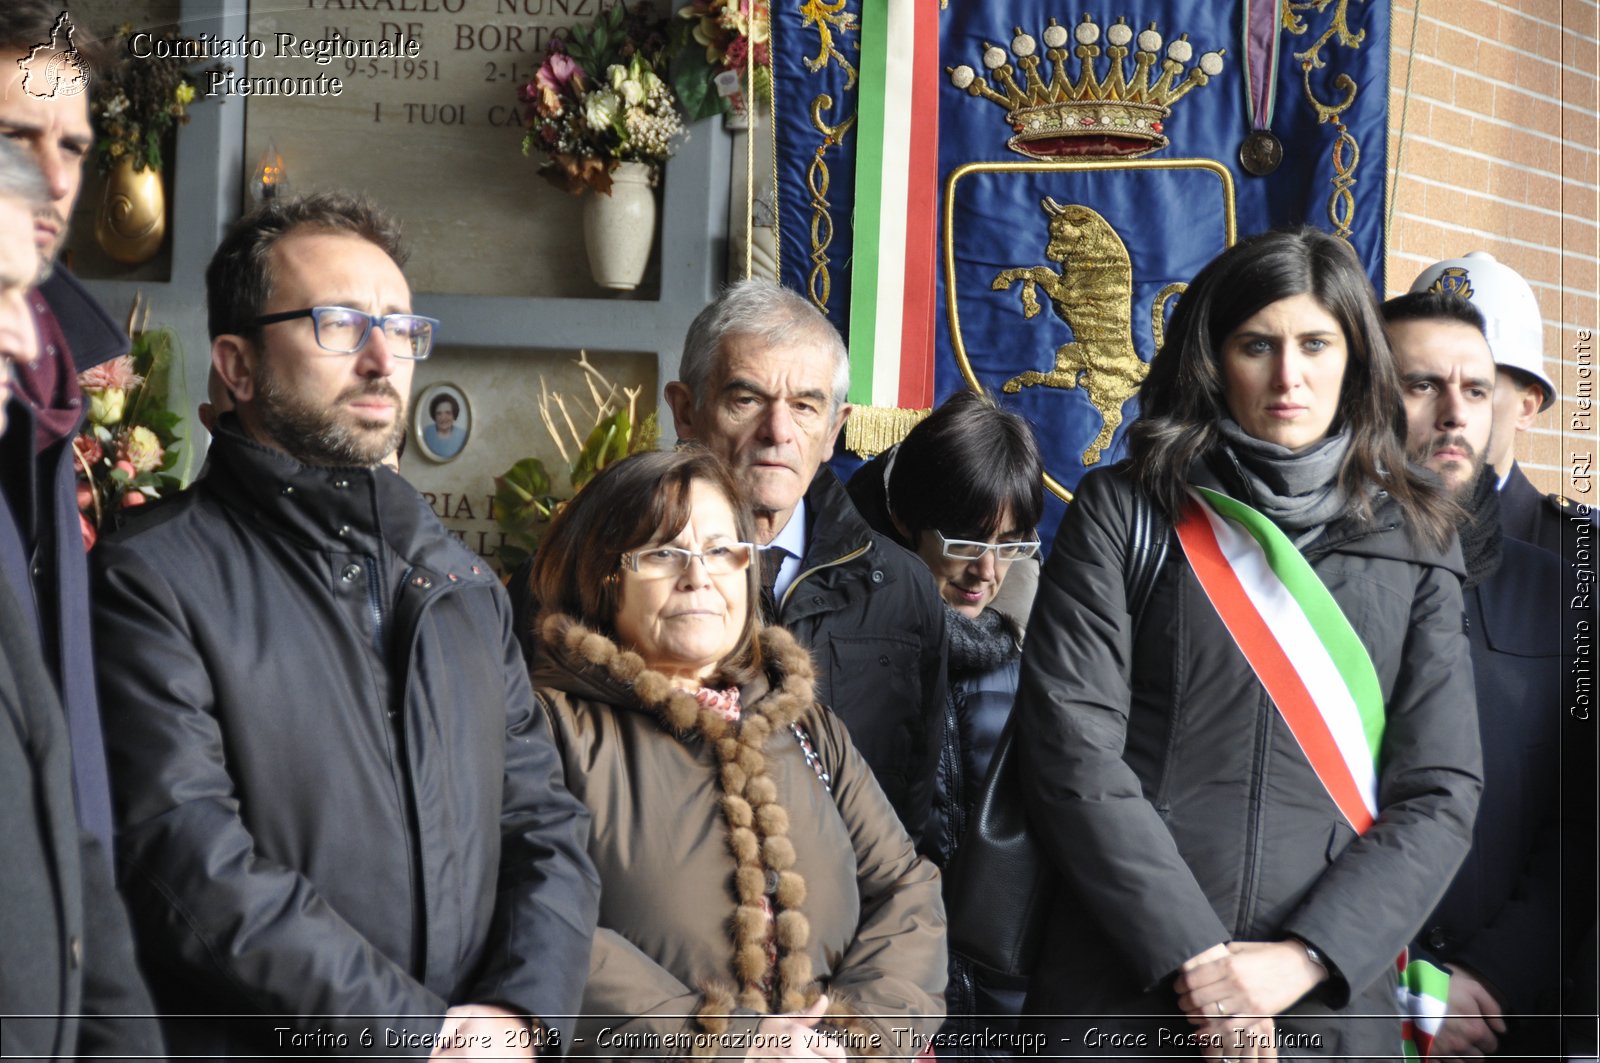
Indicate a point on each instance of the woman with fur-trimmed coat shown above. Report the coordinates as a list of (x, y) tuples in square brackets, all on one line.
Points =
[(760, 898)]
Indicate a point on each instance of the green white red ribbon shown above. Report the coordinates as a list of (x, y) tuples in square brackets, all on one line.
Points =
[(1297, 640), (897, 144), (1424, 993), (1319, 675)]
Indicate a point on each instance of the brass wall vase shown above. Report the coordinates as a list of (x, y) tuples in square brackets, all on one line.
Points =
[(132, 219)]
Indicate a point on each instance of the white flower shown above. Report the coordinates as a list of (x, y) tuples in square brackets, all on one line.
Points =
[(632, 92), (600, 108), (617, 75)]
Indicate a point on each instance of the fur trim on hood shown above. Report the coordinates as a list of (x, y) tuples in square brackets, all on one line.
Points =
[(769, 974)]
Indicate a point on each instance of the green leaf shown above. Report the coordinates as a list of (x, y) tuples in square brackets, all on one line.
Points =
[(522, 502), (607, 442)]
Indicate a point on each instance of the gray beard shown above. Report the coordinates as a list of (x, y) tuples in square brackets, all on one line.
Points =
[(315, 435)]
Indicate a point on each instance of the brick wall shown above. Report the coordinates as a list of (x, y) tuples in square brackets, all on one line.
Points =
[(1494, 149)]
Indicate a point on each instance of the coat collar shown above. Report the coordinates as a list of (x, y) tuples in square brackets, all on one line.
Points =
[(340, 510), (769, 963), (580, 661), (92, 336), (836, 528)]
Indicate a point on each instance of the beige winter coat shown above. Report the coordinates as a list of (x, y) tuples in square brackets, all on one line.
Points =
[(701, 828)]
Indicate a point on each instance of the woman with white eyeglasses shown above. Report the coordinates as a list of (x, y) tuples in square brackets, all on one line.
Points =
[(964, 491), (759, 897)]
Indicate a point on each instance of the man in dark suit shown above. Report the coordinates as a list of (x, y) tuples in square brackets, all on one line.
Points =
[(1523, 390), (1498, 929), (66, 966), (763, 383), (44, 109)]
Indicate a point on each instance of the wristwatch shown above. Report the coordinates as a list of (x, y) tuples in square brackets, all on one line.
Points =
[(1315, 955)]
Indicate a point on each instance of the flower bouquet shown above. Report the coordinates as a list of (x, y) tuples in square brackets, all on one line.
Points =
[(712, 39), (124, 455), (599, 100), (139, 100)]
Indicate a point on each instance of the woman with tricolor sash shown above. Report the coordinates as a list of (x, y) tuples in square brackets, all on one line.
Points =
[(1257, 764)]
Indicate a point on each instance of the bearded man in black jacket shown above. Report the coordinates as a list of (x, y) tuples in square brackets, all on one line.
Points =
[(337, 802), (1498, 929)]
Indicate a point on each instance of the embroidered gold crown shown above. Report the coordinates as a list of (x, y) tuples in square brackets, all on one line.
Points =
[(1110, 113)]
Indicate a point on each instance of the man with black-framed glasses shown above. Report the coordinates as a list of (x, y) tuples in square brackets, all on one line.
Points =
[(337, 803)]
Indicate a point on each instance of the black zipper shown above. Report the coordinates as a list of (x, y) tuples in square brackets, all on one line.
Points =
[(375, 604), (1247, 895), (1179, 679), (950, 755)]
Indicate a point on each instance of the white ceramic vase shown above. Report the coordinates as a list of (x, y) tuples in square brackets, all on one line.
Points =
[(618, 229)]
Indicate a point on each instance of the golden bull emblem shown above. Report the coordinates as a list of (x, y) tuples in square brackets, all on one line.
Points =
[(1093, 294)]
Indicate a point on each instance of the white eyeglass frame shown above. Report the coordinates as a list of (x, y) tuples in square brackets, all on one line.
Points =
[(630, 560), (1031, 546)]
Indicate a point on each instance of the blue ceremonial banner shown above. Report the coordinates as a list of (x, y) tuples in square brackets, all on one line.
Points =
[(816, 55), (1094, 156)]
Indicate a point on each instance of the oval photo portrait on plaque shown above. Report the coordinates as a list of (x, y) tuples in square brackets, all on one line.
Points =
[(441, 422)]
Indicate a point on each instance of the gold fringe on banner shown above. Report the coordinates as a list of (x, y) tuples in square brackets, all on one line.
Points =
[(871, 430)]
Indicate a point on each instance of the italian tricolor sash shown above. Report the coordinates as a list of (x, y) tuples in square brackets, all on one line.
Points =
[(1319, 675), (892, 287)]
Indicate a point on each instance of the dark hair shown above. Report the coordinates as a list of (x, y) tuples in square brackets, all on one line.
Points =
[(239, 277), (960, 469), (1182, 401), (1431, 306), (634, 502), (445, 399)]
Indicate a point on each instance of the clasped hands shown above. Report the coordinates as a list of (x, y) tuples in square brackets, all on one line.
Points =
[(1232, 991)]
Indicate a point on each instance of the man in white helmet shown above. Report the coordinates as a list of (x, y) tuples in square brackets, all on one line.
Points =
[(1567, 528), (1522, 391)]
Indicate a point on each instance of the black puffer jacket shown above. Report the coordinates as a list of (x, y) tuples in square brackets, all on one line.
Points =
[(335, 793), (868, 611), (1173, 797)]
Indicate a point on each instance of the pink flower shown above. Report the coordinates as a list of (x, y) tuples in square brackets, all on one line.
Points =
[(117, 373), (89, 447), (558, 72)]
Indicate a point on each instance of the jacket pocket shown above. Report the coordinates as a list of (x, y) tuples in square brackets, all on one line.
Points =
[(875, 686)]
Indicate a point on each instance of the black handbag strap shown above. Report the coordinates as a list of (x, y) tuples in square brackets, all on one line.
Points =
[(1147, 551)]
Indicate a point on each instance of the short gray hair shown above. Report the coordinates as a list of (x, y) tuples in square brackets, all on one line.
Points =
[(768, 312), (21, 178)]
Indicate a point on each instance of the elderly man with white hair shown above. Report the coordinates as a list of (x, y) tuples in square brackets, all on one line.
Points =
[(763, 382)]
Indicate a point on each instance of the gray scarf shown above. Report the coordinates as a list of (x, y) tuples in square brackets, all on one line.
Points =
[(979, 645), (1297, 491)]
